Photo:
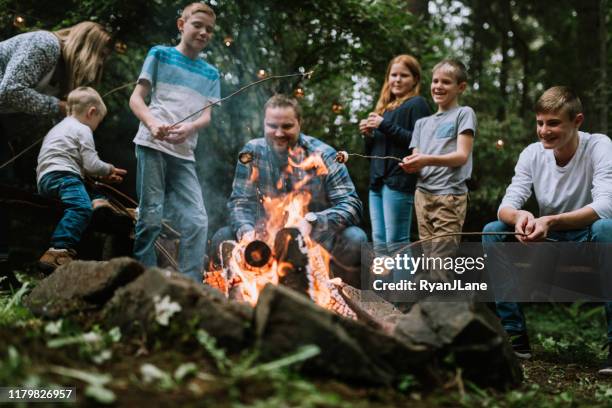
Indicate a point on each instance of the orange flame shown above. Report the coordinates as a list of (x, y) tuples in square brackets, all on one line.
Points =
[(285, 212)]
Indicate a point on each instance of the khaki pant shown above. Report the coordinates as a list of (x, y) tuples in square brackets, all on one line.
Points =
[(436, 215), (439, 214)]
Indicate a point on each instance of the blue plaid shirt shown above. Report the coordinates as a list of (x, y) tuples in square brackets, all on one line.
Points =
[(334, 199)]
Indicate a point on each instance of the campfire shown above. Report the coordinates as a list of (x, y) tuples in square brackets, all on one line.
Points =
[(283, 251)]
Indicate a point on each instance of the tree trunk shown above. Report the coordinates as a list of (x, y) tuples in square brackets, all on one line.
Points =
[(591, 49)]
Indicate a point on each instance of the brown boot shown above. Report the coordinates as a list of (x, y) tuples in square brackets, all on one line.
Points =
[(54, 258)]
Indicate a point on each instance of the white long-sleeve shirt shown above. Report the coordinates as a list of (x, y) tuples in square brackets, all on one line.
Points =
[(69, 146), (585, 181)]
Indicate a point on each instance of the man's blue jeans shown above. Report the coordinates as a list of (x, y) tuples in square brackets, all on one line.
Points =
[(168, 187), (391, 215), (69, 188), (510, 313)]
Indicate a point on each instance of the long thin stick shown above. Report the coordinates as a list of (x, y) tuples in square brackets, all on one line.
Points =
[(21, 153), (119, 88), (305, 74), (375, 157)]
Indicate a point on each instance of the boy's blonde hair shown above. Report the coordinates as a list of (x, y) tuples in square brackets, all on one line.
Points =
[(84, 47), (386, 100), (559, 99), (82, 98), (453, 67), (197, 7)]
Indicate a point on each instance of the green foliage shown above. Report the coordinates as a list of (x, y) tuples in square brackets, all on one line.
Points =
[(94, 345), (11, 309), (287, 388), (569, 333), (96, 388)]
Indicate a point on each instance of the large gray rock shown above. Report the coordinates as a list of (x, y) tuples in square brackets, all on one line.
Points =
[(81, 286), (133, 309), (467, 332), (350, 350)]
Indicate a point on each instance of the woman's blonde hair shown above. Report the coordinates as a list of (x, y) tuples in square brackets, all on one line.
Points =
[(386, 100), (84, 48)]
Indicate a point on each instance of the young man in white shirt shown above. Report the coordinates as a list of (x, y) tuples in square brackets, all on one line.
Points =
[(570, 173)]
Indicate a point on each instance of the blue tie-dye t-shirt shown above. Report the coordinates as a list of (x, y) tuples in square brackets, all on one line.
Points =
[(179, 87)]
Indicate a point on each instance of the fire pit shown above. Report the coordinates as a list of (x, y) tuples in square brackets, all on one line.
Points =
[(283, 257)]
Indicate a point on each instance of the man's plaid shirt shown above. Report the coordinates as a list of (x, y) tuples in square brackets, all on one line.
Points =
[(334, 199)]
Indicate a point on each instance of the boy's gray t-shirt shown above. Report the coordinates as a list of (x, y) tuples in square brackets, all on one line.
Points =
[(437, 135)]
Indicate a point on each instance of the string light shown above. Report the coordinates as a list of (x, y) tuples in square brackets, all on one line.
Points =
[(228, 41), (120, 47), (337, 108), (499, 144), (261, 74), (299, 92), (19, 22)]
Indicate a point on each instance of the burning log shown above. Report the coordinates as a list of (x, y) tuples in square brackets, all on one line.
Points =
[(292, 256), (257, 253)]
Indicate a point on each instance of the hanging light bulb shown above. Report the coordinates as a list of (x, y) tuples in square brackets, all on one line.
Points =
[(499, 144), (299, 92), (261, 74), (228, 40), (19, 22)]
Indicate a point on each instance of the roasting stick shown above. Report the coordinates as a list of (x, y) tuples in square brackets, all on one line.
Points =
[(342, 157), (306, 75)]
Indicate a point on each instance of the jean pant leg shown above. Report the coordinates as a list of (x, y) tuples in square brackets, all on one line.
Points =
[(150, 188), (346, 254), (377, 218), (397, 207), (510, 313), (223, 234), (77, 214), (601, 231), (185, 203)]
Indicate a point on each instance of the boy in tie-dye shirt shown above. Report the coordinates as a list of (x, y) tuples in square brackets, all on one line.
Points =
[(179, 82)]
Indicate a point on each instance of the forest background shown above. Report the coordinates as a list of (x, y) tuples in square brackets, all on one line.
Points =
[(513, 50)]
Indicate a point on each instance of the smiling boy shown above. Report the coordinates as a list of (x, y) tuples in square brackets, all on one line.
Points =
[(570, 173), (442, 154), (179, 82)]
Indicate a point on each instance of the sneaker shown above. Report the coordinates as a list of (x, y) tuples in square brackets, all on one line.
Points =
[(54, 258), (520, 344), (606, 366)]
